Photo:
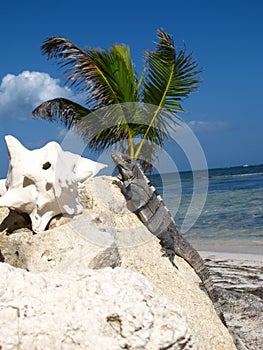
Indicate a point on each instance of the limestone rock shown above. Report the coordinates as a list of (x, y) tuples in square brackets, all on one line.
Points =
[(61, 248), (105, 309), (107, 233)]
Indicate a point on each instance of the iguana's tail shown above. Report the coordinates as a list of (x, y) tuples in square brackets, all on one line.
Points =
[(184, 249)]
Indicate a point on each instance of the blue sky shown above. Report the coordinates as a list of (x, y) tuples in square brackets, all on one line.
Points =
[(226, 38)]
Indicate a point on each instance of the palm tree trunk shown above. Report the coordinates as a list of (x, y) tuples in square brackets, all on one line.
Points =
[(131, 143)]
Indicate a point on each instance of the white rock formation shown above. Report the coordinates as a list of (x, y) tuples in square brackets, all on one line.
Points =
[(106, 234), (106, 309), (44, 182)]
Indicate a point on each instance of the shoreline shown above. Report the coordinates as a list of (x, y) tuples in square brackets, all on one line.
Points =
[(234, 257), (238, 278), (239, 272), (234, 248)]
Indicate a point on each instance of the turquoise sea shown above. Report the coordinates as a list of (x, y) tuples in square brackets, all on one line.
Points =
[(232, 217)]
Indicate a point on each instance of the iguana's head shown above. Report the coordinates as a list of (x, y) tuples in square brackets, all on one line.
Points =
[(125, 165)]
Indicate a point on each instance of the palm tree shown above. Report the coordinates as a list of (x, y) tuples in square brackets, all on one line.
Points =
[(113, 89)]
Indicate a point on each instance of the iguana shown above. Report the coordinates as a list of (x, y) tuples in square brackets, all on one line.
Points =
[(144, 201)]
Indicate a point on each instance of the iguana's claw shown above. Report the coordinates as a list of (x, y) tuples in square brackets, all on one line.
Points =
[(169, 255)]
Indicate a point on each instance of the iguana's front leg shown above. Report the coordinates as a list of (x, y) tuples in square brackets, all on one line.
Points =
[(125, 189)]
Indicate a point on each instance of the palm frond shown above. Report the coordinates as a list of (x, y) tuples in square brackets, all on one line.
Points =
[(125, 75), (171, 76), (105, 126), (61, 110), (101, 74)]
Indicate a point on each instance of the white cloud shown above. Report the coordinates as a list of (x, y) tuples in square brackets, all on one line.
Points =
[(205, 127), (20, 94)]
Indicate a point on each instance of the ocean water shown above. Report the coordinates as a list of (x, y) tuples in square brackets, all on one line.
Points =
[(232, 217)]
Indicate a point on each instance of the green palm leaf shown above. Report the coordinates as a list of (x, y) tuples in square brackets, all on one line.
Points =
[(171, 76), (106, 77), (101, 74)]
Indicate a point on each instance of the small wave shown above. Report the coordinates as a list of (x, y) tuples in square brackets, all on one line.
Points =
[(249, 174), (230, 176)]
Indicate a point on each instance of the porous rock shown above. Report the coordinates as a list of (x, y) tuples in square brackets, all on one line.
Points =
[(105, 309), (61, 248), (108, 226)]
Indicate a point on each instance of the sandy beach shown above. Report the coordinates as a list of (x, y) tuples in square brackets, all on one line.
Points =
[(236, 266), (239, 272), (239, 278)]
